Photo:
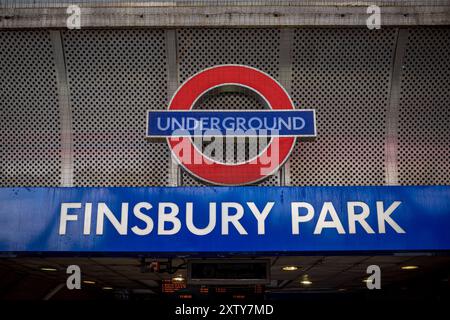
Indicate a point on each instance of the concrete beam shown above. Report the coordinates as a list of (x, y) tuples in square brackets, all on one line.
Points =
[(244, 15)]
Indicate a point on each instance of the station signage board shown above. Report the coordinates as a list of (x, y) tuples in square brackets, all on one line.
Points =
[(225, 219), (182, 125)]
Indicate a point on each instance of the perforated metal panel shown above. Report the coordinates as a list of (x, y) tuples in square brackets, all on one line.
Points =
[(240, 150), (30, 130), (230, 101), (115, 76), (424, 115), (345, 75), (202, 48)]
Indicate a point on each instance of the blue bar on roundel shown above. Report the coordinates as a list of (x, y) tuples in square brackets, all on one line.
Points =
[(283, 123)]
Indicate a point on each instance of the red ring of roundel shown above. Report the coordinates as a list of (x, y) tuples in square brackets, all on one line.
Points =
[(189, 92)]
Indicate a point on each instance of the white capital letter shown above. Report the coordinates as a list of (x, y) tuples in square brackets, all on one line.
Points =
[(234, 219), (261, 216), (190, 220), (87, 218), (120, 226), (64, 216), (360, 217), (334, 223), (137, 211), (385, 216), (170, 216), (296, 218)]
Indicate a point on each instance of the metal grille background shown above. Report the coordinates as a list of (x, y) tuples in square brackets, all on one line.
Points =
[(30, 131), (345, 75), (424, 114), (115, 76), (230, 101)]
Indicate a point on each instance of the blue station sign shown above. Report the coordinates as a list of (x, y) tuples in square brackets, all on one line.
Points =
[(225, 219), (283, 123)]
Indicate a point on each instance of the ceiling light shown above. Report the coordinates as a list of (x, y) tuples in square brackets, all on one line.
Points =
[(305, 280), (178, 278), (48, 269), (410, 267), (290, 268), (89, 282), (107, 288)]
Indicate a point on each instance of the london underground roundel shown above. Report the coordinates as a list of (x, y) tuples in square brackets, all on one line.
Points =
[(180, 124)]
